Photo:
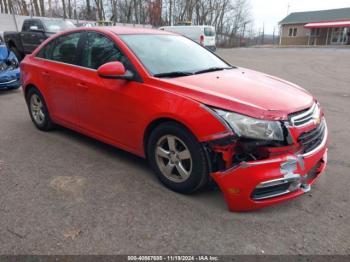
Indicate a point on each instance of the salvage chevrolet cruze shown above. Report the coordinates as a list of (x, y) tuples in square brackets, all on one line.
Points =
[(195, 117)]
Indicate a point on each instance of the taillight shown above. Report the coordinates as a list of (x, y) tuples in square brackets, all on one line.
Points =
[(201, 39)]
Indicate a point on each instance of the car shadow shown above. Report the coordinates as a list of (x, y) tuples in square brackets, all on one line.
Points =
[(103, 148)]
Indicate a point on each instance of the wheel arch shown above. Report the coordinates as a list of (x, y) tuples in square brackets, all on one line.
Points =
[(11, 43), (28, 87)]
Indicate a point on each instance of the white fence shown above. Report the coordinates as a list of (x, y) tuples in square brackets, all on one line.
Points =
[(8, 22)]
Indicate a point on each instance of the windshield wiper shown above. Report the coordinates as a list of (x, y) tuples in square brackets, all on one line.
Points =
[(212, 69), (173, 74)]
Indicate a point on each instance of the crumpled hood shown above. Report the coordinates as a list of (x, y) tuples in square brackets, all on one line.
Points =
[(6, 74), (244, 91), (4, 53)]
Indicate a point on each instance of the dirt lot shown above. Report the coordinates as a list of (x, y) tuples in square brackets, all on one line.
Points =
[(64, 193)]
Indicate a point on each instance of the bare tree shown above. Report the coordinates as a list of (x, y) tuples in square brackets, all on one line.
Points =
[(88, 8), (36, 7), (5, 6), (64, 9), (69, 9), (231, 18), (1, 7), (42, 7)]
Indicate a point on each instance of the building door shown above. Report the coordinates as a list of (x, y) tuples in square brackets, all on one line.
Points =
[(339, 36)]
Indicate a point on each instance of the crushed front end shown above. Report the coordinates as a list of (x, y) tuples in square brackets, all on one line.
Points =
[(255, 173), (9, 69)]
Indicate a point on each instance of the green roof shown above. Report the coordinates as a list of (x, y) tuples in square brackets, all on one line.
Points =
[(317, 16)]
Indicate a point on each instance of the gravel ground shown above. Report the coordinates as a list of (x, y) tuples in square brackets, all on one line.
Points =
[(64, 193)]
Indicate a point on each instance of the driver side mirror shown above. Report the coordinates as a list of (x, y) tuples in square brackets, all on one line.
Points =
[(114, 70)]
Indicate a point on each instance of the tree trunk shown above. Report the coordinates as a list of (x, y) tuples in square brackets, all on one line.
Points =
[(64, 9), (103, 11), (24, 7), (69, 9), (88, 9), (50, 7), (5, 7), (36, 7), (42, 7), (1, 7), (99, 9), (10, 6)]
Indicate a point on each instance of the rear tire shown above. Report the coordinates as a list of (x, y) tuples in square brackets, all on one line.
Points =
[(177, 158), (38, 110)]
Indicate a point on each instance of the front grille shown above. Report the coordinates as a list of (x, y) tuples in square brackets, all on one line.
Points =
[(305, 116), (312, 139)]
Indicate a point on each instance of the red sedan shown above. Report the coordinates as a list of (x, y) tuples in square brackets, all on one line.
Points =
[(195, 118)]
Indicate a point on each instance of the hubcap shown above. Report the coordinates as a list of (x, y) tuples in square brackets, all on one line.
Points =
[(37, 109), (173, 158)]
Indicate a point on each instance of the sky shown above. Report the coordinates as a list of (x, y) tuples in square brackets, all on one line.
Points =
[(270, 12)]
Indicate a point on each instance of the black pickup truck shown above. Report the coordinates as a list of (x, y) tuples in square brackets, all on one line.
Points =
[(34, 32)]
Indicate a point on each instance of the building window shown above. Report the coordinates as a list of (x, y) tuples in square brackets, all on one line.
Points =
[(293, 32), (315, 32)]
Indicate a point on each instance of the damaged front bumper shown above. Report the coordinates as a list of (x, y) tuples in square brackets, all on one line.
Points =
[(260, 183)]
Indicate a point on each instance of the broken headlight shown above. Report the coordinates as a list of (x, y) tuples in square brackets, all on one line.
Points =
[(12, 64), (245, 126)]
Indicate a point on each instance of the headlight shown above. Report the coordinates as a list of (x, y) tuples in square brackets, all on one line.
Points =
[(12, 64), (249, 127)]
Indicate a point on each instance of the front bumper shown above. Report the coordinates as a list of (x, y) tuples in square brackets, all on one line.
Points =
[(256, 184), (10, 79), (16, 83)]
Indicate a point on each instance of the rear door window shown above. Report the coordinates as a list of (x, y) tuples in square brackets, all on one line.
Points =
[(65, 49), (209, 31)]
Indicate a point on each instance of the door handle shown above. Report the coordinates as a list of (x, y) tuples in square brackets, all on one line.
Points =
[(82, 86)]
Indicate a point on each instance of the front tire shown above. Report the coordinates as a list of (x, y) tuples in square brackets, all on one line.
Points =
[(38, 110), (177, 158)]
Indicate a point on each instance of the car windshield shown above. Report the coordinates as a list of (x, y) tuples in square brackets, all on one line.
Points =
[(54, 26), (172, 55)]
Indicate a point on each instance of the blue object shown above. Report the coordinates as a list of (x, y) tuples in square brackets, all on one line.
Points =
[(9, 69)]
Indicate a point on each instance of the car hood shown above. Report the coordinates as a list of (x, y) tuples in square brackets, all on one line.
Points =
[(5, 73), (4, 53), (244, 91)]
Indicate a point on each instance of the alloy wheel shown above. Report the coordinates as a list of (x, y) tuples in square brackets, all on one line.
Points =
[(173, 158), (37, 109)]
